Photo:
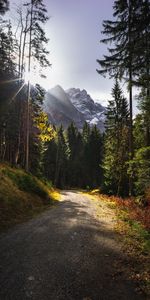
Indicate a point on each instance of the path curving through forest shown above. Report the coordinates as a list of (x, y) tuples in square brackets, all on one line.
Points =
[(70, 252)]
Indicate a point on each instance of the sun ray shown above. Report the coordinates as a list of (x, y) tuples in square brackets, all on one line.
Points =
[(11, 80), (13, 98)]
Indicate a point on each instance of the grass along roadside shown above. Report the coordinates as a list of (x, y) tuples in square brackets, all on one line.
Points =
[(22, 196), (133, 226), (136, 243)]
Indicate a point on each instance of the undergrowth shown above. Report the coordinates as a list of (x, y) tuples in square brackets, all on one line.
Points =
[(133, 225), (22, 196), (136, 243)]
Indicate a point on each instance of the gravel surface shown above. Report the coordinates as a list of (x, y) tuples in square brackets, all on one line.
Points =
[(66, 253)]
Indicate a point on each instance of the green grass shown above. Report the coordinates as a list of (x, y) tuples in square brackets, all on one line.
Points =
[(22, 196), (26, 182)]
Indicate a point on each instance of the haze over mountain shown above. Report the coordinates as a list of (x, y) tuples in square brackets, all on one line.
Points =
[(73, 105)]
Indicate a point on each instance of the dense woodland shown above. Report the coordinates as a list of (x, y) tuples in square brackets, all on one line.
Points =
[(127, 141), (119, 160)]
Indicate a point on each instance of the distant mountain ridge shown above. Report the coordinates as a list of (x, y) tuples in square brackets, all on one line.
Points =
[(94, 113), (73, 105)]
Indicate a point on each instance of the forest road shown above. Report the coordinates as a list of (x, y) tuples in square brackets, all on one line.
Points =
[(66, 253)]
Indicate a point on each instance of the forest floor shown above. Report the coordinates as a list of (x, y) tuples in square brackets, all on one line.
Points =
[(70, 252)]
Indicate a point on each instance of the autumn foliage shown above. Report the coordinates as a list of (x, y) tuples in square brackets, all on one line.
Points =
[(135, 211)]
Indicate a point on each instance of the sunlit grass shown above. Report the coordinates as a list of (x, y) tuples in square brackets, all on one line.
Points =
[(22, 196), (132, 224), (55, 195)]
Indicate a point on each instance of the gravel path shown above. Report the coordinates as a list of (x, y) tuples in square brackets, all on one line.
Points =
[(66, 253)]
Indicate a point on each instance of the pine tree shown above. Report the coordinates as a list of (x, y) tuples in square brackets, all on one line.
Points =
[(86, 154), (123, 32), (61, 159), (49, 160), (7, 52), (143, 50), (144, 106), (86, 132), (95, 157), (4, 6), (37, 52), (21, 121), (139, 132), (141, 166), (116, 144), (40, 130), (92, 156), (79, 170), (38, 17), (75, 144), (72, 136), (142, 45), (8, 86)]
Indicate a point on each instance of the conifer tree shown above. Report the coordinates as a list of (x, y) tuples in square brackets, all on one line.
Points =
[(75, 144), (49, 160), (92, 156), (139, 132), (37, 52), (40, 130), (38, 17), (95, 157), (86, 132), (144, 106), (121, 61), (8, 86), (143, 50), (72, 138), (61, 159), (86, 154), (4, 6), (116, 144)]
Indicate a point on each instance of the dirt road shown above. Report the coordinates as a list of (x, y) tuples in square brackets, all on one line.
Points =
[(66, 253)]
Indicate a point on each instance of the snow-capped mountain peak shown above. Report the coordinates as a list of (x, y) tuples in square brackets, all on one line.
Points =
[(94, 113), (73, 105)]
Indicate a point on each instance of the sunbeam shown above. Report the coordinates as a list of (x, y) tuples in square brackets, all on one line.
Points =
[(11, 80), (13, 98)]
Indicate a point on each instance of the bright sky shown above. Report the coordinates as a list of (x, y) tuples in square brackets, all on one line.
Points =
[(74, 30)]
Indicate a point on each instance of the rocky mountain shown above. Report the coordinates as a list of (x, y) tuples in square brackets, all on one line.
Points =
[(94, 113), (73, 105)]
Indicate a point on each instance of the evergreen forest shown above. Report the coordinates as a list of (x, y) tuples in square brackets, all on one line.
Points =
[(116, 161), (74, 199)]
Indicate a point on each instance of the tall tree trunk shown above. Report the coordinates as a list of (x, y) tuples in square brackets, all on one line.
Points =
[(130, 131), (148, 117), (28, 94), (24, 44), (19, 58), (130, 98)]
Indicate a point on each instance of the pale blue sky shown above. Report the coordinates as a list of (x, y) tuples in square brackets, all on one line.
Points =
[(74, 30)]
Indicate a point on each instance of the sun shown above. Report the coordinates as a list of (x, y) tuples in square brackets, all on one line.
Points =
[(31, 77)]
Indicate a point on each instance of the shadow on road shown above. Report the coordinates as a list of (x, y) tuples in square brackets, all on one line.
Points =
[(64, 254)]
